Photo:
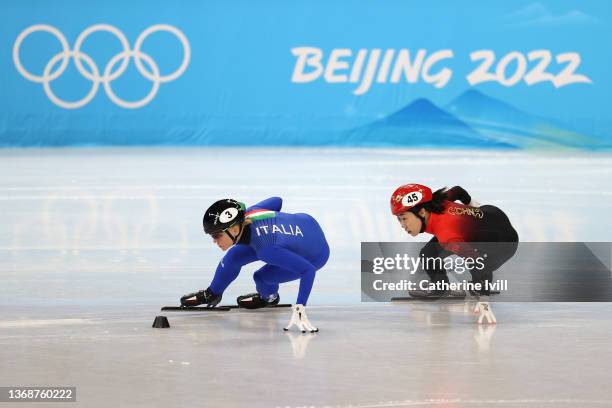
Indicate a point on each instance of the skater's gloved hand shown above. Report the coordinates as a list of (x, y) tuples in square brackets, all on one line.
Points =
[(299, 319), (474, 203), (484, 309), (200, 298)]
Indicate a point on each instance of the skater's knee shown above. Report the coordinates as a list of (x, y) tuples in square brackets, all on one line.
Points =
[(258, 277), (265, 278)]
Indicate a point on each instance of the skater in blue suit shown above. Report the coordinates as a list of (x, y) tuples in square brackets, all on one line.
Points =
[(293, 246)]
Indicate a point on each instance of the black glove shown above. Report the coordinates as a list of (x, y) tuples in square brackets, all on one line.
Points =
[(201, 297)]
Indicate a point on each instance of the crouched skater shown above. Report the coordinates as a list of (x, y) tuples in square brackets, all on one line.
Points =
[(293, 247), (465, 229)]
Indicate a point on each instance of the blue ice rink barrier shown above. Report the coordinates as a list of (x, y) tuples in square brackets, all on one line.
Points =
[(518, 74)]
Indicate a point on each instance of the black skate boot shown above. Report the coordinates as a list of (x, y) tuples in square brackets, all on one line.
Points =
[(254, 301)]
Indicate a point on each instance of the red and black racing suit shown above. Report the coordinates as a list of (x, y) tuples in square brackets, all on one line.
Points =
[(470, 232)]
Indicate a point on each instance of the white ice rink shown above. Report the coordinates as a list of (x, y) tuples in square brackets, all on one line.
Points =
[(94, 241)]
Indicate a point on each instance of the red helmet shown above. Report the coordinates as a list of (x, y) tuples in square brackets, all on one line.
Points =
[(408, 196)]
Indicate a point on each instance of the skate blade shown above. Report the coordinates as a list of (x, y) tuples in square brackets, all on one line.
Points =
[(195, 309)]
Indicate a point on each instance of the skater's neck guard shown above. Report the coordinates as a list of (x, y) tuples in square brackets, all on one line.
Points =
[(245, 238)]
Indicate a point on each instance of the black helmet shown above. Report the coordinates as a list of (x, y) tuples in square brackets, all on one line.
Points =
[(222, 215)]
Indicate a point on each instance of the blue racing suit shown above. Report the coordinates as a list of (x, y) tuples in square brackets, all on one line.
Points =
[(293, 246)]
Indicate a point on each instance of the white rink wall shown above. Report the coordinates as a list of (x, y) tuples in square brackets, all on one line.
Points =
[(132, 199)]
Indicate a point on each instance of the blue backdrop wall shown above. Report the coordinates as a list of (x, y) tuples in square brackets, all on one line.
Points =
[(517, 74)]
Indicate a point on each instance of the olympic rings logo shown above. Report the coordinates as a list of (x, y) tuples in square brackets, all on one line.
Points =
[(93, 73)]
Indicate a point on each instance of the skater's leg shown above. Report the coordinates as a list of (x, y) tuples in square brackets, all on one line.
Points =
[(493, 256), (297, 266), (268, 277), (432, 255), (434, 270)]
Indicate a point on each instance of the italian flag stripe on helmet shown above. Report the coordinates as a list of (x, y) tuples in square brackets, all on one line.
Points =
[(260, 214)]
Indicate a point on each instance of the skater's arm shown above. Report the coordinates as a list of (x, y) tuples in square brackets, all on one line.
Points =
[(272, 204), (286, 259), (459, 193), (430, 249), (229, 267)]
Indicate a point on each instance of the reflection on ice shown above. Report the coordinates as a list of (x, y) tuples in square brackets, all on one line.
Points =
[(299, 343)]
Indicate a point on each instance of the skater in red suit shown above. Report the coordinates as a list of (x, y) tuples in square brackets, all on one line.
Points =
[(465, 229)]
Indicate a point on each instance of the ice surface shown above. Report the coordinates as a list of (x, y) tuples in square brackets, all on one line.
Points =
[(94, 241)]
